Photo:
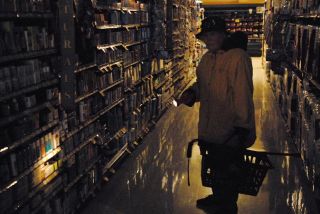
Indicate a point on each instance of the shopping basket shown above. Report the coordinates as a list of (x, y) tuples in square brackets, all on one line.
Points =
[(253, 170)]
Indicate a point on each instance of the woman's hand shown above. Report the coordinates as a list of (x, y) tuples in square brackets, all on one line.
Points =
[(188, 98)]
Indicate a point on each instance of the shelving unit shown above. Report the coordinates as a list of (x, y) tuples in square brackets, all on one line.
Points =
[(24, 15), (176, 45), (293, 29), (89, 98), (29, 136), (28, 55), (32, 88), (30, 169)]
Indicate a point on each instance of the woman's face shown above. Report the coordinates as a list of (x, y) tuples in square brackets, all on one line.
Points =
[(214, 40)]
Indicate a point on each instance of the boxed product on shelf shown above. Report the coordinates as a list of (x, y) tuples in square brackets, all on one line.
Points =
[(19, 129), (56, 205), (133, 35), (293, 112), (130, 4), (287, 80), (132, 56), (132, 135), (71, 201), (87, 183), (307, 151), (145, 33), (145, 51), (25, 6), (15, 106), (157, 65), (138, 97), (80, 137), (113, 95), (111, 17), (53, 205), (303, 101), (316, 184), (315, 135), (109, 57), (313, 55), (85, 156), (23, 39), (124, 140), (107, 4), (166, 94), (307, 49), (100, 19), (249, 23), (21, 189), (112, 122), (80, 163), (89, 107), (114, 146), (6, 199), (27, 73), (307, 104), (85, 112), (110, 78), (138, 121), (109, 38), (68, 146), (70, 172), (304, 50), (25, 157), (145, 17), (145, 68), (144, 7), (132, 75), (130, 18), (86, 82), (300, 6), (131, 102), (24, 188), (159, 38)]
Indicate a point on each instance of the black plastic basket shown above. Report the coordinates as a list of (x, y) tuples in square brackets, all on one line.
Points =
[(252, 173)]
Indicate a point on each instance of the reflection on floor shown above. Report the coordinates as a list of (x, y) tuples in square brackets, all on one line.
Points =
[(153, 179)]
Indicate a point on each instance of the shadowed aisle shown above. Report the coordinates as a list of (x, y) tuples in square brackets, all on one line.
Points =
[(154, 178)]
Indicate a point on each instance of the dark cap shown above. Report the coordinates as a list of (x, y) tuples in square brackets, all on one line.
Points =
[(211, 24)]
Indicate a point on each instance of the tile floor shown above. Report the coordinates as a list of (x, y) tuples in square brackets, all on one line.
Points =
[(154, 178)]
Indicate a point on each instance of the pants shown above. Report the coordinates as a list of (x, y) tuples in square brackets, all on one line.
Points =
[(225, 163)]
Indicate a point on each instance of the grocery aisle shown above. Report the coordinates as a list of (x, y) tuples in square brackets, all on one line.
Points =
[(154, 178)]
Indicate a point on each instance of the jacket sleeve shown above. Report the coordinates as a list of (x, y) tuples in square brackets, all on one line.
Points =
[(243, 94), (195, 88)]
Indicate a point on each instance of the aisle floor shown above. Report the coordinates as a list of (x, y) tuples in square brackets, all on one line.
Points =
[(154, 178)]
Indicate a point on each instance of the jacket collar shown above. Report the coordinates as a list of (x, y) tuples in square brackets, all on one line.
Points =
[(219, 52)]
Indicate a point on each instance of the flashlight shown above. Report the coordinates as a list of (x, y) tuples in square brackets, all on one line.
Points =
[(174, 103)]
